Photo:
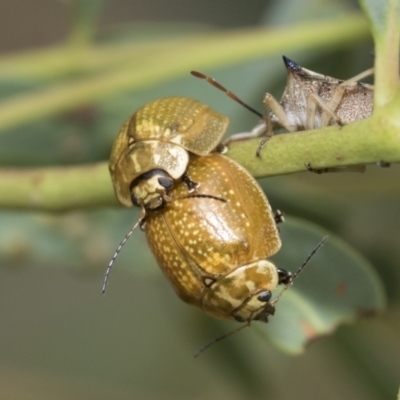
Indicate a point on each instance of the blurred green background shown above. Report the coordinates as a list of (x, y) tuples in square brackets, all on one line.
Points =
[(59, 338)]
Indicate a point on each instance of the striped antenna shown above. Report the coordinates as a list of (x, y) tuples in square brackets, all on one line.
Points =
[(295, 275), (226, 91), (300, 269), (117, 251)]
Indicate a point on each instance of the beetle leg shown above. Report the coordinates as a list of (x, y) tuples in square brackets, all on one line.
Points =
[(191, 186), (285, 277), (142, 224), (279, 217)]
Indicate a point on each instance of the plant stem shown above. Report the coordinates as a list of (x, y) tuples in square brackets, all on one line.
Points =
[(363, 142)]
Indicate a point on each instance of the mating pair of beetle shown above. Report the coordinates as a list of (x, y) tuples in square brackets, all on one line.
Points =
[(207, 221)]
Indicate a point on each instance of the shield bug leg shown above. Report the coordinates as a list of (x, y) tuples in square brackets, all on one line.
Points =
[(339, 94), (254, 133), (280, 119), (327, 111)]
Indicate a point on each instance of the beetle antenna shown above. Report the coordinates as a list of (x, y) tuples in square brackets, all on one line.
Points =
[(127, 236), (206, 196), (300, 269), (200, 195), (202, 349), (227, 92)]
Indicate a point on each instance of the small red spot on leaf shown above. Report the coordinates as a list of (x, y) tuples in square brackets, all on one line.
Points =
[(309, 331), (341, 289)]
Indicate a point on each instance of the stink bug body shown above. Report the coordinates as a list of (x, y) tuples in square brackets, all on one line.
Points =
[(310, 101), (151, 150), (215, 252)]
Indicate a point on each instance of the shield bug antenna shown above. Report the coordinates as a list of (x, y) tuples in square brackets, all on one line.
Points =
[(256, 131), (290, 281), (216, 84)]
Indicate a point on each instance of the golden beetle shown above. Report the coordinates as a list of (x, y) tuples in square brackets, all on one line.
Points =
[(213, 242), (151, 150), (215, 252)]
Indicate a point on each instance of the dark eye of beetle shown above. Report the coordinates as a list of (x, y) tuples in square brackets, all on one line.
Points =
[(239, 319), (265, 297), (165, 182)]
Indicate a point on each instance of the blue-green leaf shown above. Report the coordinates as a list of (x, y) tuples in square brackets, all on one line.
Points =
[(336, 287)]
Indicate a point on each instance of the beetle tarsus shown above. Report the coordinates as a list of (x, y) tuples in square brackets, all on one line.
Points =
[(279, 217), (191, 185)]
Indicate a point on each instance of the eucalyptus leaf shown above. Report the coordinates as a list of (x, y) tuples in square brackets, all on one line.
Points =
[(80, 241), (337, 287)]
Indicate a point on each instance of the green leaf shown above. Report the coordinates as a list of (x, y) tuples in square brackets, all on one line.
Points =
[(337, 287), (80, 241)]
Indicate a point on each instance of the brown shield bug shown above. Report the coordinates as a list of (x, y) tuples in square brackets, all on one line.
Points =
[(310, 101), (151, 150)]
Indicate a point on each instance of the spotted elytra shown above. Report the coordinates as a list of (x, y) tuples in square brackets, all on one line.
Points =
[(215, 253), (214, 245)]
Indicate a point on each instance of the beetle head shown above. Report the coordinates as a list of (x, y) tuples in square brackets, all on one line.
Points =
[(151, 190)]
